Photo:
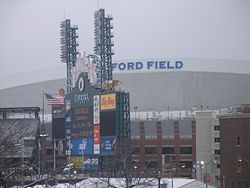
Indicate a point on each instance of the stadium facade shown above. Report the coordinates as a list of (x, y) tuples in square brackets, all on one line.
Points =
[(154, 85)]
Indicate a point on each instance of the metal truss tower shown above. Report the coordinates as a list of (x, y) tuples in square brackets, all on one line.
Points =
[(68, 49), (103, 45), (124, 119)]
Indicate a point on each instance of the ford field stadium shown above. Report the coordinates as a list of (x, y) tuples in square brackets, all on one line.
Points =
[(154, 84)]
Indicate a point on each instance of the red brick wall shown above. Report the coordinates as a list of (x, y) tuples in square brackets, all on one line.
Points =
[(230, 127), (159, 142)]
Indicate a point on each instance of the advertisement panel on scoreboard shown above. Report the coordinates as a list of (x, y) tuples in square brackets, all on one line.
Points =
[(58, 111), (90, 162), (108, 101), (96, 139), (79, 144), (96, 109), (108, 144)]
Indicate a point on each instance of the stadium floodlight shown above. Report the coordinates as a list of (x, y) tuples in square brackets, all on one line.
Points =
[(68, 48), (103, 44)]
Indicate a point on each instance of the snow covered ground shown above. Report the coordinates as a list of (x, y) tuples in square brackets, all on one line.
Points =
[(139, 183)]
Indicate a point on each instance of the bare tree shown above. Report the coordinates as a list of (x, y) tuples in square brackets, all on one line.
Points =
[(9, 139), (13, 167), (124, 170)]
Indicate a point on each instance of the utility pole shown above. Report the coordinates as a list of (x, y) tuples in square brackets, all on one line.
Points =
[(39, 157), (22, 160), (83, 147)]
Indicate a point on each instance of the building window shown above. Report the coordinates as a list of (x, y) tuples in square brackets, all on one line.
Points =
[(168, 150), (170, 159), (151, 164), (217, 152), (186, 164), (218, 165), (136, 151), (239, 161), (150, 150), (217, 177), (216, 128), (216, 139), (185, 150), (232, 184), (237, 140), (49, 152)]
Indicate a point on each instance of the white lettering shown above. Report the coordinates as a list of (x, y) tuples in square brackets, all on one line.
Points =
[(81, 99), (147, 66)]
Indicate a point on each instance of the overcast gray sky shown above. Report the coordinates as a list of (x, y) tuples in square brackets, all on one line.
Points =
[(29, 30)]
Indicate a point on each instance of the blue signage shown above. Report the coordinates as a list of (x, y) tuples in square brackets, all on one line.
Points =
[(147, 66), (78, 144), (108, 144), (91, 162)]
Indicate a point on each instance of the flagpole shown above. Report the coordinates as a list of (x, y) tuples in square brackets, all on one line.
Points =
[(43, 109), (41, 131), (54, 155)]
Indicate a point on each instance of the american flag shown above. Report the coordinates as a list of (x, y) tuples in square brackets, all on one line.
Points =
[(54, 99)]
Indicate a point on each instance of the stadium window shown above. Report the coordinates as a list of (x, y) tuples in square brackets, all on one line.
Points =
[(150, 150), (185, 150), (216, 128), (216, 139), (237, 140), (168, 150), (217, 152)]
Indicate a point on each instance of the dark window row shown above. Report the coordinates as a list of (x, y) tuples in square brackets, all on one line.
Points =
[(165, 150)]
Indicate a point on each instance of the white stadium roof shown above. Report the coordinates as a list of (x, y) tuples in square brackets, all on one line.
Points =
[(135, 66), (154, 85)]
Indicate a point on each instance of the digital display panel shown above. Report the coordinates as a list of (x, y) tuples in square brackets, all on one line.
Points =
[(58, 128), (108, 123), (82, 122)]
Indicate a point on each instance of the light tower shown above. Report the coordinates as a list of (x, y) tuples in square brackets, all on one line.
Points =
[(103, 46), (68, 49)]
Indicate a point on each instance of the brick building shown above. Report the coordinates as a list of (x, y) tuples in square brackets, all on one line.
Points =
[(165, 144), (235, 150)]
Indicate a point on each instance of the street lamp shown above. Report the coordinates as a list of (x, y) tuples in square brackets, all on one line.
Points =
[(160, 175), (200, 165), (206, 177), (43, 135), (135, 108), (83, 148)]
